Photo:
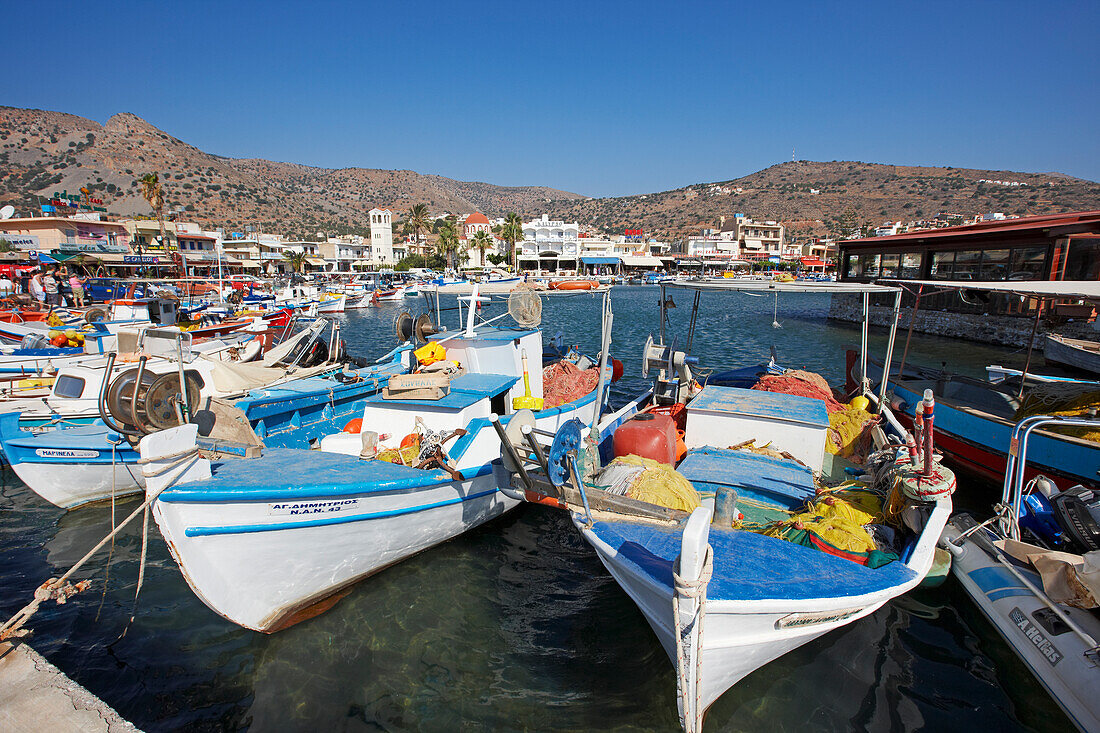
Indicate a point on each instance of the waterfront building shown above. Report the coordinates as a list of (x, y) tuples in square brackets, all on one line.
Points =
[(549, 245), (470, 225), (50, 233), (1052, 247), (346, 254)]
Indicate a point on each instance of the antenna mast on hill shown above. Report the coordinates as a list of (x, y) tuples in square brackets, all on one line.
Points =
[(792, 154)]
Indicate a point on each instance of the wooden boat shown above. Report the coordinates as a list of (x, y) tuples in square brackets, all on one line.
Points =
[(1076, 353), (722, 598), (267, 542)]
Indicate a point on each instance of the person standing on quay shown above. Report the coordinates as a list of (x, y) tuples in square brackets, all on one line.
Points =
[(37, 287), (49, 285), (76, 285)]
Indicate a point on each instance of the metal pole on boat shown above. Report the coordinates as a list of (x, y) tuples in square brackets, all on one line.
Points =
[(889, 352), (1030, 346), (605, 346), (186, 416), (662, 314), (909, 336), (863, 343)]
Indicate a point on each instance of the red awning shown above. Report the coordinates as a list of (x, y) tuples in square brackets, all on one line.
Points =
[(812, 262)]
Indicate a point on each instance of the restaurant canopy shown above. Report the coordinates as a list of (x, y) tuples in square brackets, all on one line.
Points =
[(1082, 289), (641, 261), (250, 263), (600, 260)]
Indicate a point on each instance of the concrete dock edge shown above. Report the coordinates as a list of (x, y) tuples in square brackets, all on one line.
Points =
[(35, 695)]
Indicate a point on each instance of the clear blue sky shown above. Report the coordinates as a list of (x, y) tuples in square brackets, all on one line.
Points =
[(600, 98)]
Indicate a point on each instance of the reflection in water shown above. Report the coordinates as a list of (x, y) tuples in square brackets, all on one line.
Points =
[(515, 626)]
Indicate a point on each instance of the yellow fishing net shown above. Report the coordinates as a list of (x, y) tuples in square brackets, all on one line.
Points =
[(660, 484), (836, 517), (845, 429), (405, 456), (1060, 398)]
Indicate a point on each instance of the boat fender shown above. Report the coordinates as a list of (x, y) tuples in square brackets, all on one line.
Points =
[(355, 425)]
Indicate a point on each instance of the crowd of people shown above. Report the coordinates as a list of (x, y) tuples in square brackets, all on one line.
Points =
[(51, 287)]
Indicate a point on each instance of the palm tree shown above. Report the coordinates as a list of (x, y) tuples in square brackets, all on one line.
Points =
[(448, 244), (295, 259), (153, 193), (418, 218), (481, 241), (511, 232)]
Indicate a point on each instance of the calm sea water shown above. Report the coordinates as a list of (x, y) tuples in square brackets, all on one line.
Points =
[(515, 626)]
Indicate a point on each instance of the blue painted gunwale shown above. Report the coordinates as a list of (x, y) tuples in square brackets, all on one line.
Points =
[(328, 521), (1063, 456)]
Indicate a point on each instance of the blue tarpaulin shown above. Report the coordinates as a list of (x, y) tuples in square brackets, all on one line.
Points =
[(600, 260)]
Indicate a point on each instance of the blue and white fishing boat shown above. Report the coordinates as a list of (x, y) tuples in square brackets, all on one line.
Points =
[(753, 571), (72, 466), (976, 417), (266, 542), (997, 563)]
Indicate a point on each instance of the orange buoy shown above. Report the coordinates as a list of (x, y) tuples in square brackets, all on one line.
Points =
[(410, 439), (616, 369), (578, 285), (354, 425)]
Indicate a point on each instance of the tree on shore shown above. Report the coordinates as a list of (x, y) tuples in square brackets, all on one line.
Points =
[(511, 232), (153, 193), (481, 241), (417, 219), (295, 259), (448, 244)]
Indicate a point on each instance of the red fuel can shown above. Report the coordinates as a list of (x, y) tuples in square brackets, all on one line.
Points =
[(648, 435)]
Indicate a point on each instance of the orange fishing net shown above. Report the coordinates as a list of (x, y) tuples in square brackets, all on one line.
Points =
[(798, 382), (564, 382)]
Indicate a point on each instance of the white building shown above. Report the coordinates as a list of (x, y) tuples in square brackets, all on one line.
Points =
[(382, 252), (549, 245)]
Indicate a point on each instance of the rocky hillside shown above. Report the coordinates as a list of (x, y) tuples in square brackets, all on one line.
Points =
[(826, 197), (42, 152)]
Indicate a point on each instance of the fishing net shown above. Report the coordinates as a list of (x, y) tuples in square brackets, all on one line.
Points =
[(404, 456), (659, 484), (846, 429), (1061, 398), (801, 383), (564, 382), (525, 306)]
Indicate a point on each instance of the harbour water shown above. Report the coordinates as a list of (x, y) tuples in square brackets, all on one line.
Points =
[(515, 626)]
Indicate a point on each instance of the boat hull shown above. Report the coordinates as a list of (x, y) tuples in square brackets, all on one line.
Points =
[(1057, 659), (260, 565), (1075, 353)]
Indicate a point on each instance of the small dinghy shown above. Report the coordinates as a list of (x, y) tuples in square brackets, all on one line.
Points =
[(1023, 571)]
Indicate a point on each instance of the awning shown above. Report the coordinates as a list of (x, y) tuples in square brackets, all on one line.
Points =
[(641, 261), (600, 260), (1083, 289), (316, 261), (250, 263), (46, 259), (812, 262)]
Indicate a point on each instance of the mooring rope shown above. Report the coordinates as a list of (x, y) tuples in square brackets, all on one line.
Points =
[(60, 589), (693, 723)]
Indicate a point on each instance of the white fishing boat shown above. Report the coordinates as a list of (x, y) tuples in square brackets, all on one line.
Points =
[(751, 560), (1022, 571), (87, 457), (267, 542)]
